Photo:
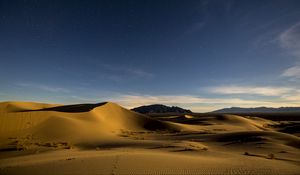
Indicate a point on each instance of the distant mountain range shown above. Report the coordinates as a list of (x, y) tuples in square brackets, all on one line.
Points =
[(257, 110), (158, 108)]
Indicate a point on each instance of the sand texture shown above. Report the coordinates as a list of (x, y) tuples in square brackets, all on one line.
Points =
[(106, 138)]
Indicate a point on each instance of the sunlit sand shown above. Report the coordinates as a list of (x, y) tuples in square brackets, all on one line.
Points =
[(106, 138)]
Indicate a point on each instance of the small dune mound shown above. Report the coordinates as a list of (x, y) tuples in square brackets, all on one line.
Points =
[(188, 116), (251, 124)]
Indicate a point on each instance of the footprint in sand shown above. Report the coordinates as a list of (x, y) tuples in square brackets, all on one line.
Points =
[(115, 165)]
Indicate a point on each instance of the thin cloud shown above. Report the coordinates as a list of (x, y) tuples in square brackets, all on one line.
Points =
[(290, 40), (254, 90), (119, 71), (44, 87), (292, 72), (295, 97), (198, 104), (140, 73), (134, 100)]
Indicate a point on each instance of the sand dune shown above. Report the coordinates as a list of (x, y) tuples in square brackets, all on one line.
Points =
[(93, 122), (106, 138)]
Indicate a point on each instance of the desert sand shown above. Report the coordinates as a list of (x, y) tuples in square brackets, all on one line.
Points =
[(106, 138)]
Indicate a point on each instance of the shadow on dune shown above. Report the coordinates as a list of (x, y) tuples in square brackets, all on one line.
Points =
[(69, 108), (260, 137)]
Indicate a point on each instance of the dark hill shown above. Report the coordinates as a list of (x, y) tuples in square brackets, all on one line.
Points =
[(158, 108), (258, 110)]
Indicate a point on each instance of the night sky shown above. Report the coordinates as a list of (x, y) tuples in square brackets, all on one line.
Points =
[(202, 55)]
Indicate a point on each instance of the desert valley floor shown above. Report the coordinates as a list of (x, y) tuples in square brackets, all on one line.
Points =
[(105, 138)]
